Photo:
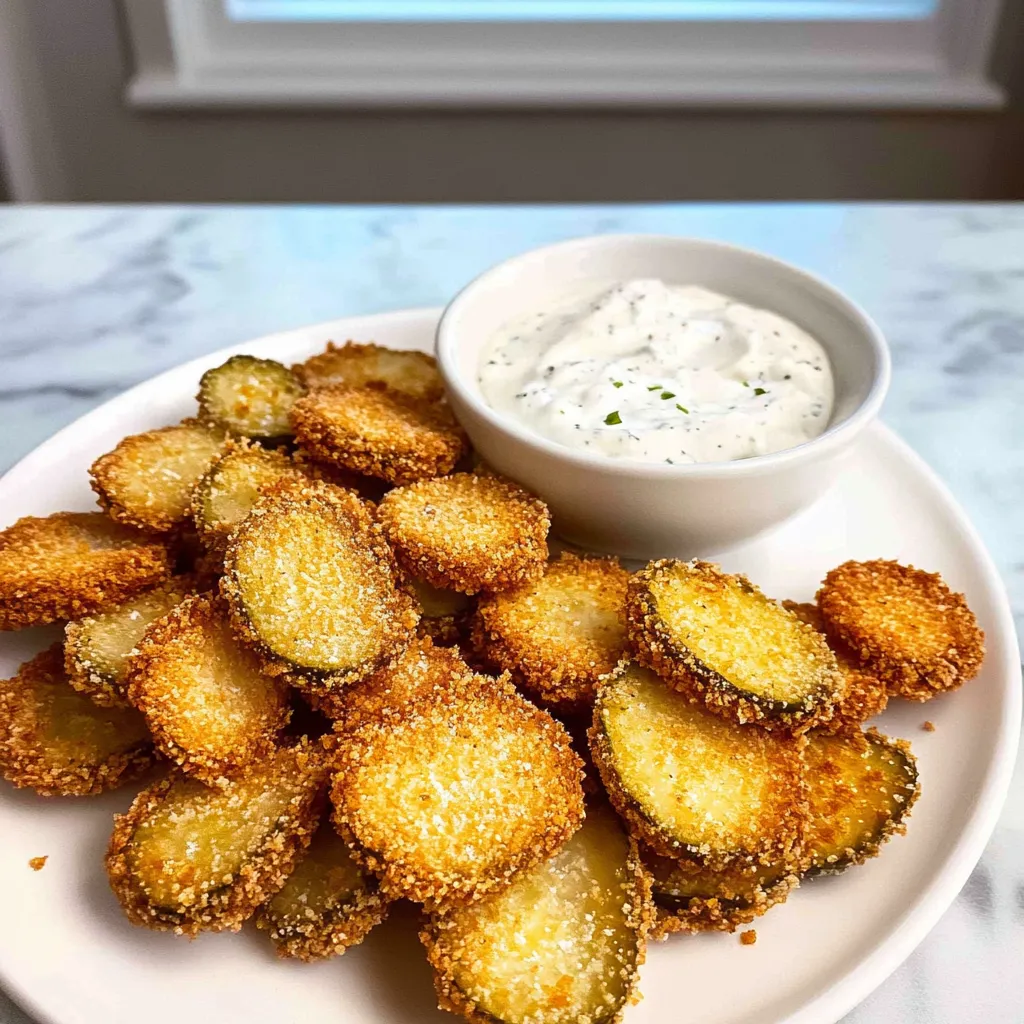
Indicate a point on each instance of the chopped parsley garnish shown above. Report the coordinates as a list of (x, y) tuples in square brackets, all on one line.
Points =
[(654, 387), (616, 383), (760, 391), (665, 395), (682, 408), (745, 383), (613, 418)]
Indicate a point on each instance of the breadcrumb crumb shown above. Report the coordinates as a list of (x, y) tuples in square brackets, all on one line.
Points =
[(928, 726), (749, 937), (38, 863)]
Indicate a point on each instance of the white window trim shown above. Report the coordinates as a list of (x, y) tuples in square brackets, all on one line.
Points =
[(188, 54)]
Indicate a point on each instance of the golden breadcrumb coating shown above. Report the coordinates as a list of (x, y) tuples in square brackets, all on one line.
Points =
[(379, 432), (189, 858), (691, 897), (691, 783), (449, 800), (717, 638), (210, 708), (97, 649), (466, 532), (248, 396), (557, 635), (865, 696), (328, 903), (71, 564), (562, 945), (905, 625), (860, 788), (147, 480), (313, 586), (56, 741), (353, 365)]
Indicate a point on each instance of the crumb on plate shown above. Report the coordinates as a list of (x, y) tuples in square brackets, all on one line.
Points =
[(749, 937)]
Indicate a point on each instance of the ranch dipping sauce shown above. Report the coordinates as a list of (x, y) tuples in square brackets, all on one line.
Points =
[(660, 373)]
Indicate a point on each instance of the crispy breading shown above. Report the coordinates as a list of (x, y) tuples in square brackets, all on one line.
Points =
[(691, 897), (717, 638), (444, 614), (860, 788), (189, 858), (328, 903), (72, 564), (210, 708), (449, 800), (147, 479), (98, 647), (354, 365), (380, 432), (905, 625), (562, 945), (865, 695), (56, 741), (466, 532), (557, 635), (313, 586), (690, 783), (250, 397)]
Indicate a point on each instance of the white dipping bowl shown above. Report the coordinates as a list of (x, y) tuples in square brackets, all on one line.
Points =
[(649, 510)]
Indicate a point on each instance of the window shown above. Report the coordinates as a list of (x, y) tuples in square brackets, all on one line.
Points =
[(752, 53)]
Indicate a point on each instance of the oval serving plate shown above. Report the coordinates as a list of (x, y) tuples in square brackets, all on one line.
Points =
[(68, 955)]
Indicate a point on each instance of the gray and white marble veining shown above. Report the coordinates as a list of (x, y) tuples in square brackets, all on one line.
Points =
[(95, 299)]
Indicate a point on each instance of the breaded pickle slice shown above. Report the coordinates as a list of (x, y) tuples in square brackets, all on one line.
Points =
[(563, 944), (861, 787), (449, 800), (354, 365), (328, 903), (380, 432), (191, 858), (865, 695), (97, 648), (147, 480), (210, 707), (56, 741), (313, 585), (72, 564), (905, 625), (249, 396), (557, 635), (444, 614), (692, 784), (691, 897), (466, 532), (718, 638)]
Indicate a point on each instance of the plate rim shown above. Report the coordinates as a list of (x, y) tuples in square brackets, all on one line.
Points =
[(858, 982)]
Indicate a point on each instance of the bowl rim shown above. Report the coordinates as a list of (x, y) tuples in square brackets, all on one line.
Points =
[(830, 441)]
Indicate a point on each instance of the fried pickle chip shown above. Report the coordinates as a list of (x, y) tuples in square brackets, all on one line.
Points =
[(557, 635), (190, 858), (690, 897), (210, 708), (449, 800), (56, 741), (147, 480), (380, 432), (467, 533), (861, 787), (72, 564), (865, 695), (692, 784), (98, 647), (717, 638), (905, 625), (313, 586), (353, 365), (249, 396), (444, 614), (562, 945), (328, 904)]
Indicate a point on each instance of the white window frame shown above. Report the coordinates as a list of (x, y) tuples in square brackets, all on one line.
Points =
[(189, 54)]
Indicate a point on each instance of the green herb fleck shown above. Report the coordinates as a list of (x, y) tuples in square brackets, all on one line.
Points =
[(760, 391), (616, 383), (654, 387), (665, 395), (613, 418), (745, 383), (682, 408)]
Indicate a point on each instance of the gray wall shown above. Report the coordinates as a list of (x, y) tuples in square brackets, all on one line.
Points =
[(109, 152)]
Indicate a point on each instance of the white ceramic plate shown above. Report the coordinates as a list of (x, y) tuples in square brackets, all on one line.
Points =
[(70, 957)]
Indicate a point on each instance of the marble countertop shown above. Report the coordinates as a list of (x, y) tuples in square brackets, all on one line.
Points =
[(96, 299)]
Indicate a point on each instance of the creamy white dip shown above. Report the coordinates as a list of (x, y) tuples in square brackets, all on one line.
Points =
[(660, 373)]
